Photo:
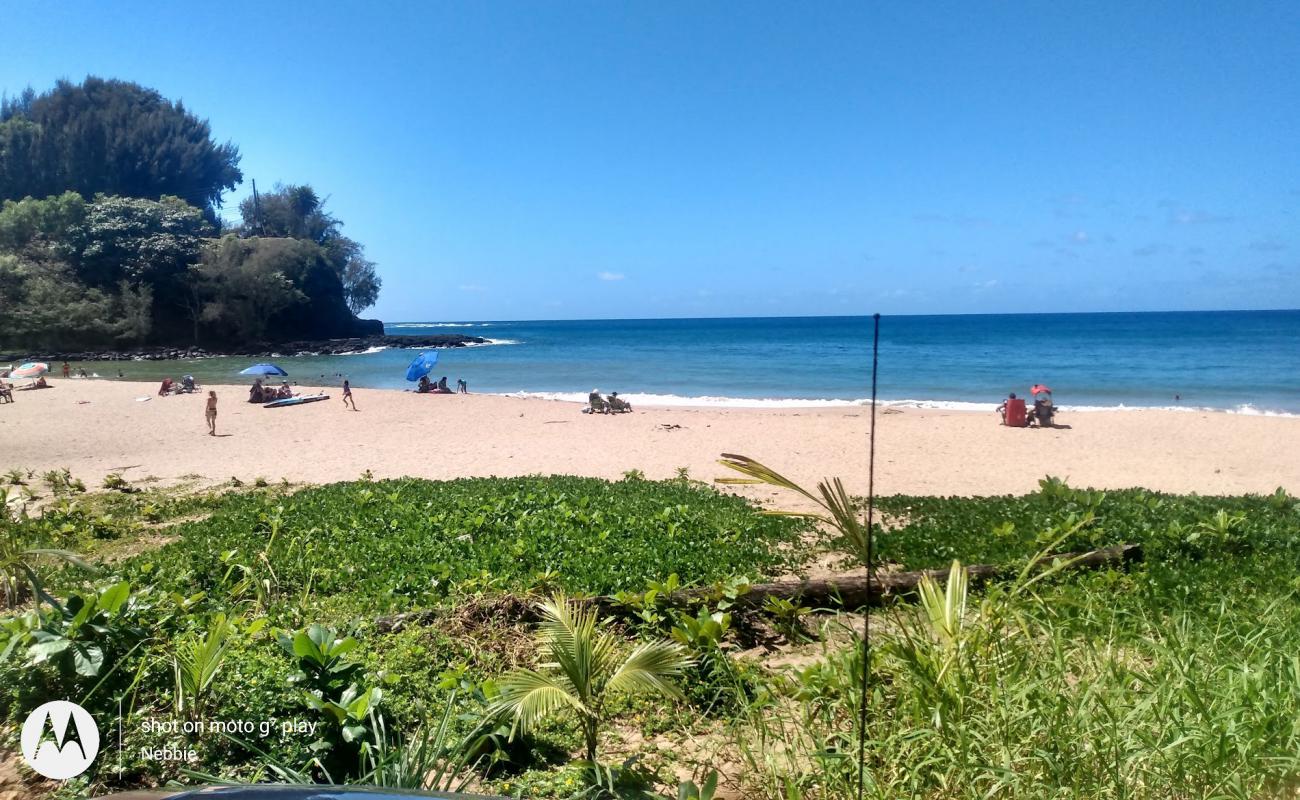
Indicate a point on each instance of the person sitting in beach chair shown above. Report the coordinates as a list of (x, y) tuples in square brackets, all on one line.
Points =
[(6, 392), (596, 404), (424, 386), (1044, 410), (1013, 412), (284, 392), (256, 394), (617, 404), (187, 384)]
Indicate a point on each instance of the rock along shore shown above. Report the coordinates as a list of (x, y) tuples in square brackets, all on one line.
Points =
[(326, 347)]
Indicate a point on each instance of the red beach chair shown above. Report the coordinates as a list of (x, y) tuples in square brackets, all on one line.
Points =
[(1014, 415)]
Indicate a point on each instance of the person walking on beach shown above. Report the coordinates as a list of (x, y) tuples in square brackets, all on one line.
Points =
[(347, 395), (212, 413)]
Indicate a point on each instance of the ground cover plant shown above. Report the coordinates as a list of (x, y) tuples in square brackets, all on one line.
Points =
[(1175, 676)]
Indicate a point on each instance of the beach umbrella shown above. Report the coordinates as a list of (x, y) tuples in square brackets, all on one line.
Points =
[(421, 366), (264, 369), (1039, 388), (32, 369)]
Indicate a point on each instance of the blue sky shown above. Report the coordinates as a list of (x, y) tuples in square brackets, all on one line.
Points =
[(516, 160)]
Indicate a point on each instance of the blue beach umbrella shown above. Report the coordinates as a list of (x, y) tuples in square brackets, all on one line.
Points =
[(421, 366), (263, 369)]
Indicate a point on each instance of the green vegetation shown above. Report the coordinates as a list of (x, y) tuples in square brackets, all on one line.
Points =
[(109, 235), (399, 618)]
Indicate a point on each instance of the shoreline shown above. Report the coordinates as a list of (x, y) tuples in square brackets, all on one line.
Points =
[(723, 402), (94, 427)]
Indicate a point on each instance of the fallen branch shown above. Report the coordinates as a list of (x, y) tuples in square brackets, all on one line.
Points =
[(850, 591)]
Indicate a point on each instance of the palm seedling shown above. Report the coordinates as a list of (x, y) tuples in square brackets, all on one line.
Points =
[(18, 561), (196, 663), (585, 668)]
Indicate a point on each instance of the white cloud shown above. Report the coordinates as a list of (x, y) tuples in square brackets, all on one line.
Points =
[(610, 276)]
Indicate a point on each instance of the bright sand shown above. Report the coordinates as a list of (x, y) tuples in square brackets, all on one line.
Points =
[(96, 427)]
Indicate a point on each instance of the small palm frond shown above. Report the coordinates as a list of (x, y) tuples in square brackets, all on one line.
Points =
[(576, 646), (759, 473), (831, 497), (946, 609), (529, 696), (651, 668)]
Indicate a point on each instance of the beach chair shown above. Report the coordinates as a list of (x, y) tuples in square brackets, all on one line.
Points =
[(618, 405), (596, 404), (1044, 410), (1014, 416)]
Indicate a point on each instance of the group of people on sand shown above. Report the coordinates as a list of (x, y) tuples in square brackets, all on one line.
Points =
[(613, 404), (185, 385), (259, 394), (426, 386), (1015, 415)]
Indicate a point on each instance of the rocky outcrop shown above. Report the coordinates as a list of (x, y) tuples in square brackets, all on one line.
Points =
[(265, 349)]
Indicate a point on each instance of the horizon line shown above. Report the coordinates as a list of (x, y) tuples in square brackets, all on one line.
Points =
[(850, 316)]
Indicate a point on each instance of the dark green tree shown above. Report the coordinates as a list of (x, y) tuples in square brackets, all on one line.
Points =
[(246, 283), (298, 212), (111, 137)]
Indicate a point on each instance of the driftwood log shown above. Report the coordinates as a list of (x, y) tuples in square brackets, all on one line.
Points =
[(854, 592), (850, 591)]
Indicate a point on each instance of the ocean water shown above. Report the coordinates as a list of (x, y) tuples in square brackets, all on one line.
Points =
[(1247, 362)]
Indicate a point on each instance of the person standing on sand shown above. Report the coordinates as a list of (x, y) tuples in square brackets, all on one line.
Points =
[(212, 413), (67, 370), (347, 395)]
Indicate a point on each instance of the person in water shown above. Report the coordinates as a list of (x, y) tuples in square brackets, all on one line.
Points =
[(211, 413)]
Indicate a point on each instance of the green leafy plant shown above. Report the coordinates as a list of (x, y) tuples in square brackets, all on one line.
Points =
[(114, 481), (78, 637), (687, 790), (788, 617), (339, 689), (61, 482)]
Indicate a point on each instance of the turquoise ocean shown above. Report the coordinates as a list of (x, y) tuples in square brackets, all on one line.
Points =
[(1245, 362)]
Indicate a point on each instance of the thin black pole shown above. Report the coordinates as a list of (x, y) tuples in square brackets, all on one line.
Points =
[(871, 519)]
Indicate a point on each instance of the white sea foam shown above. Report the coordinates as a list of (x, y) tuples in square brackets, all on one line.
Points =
[(438, 325), (708, 401), (367, 351), (703, 400), (491, 342)]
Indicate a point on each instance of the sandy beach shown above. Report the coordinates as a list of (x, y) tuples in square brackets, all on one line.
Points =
[(97, 427)]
